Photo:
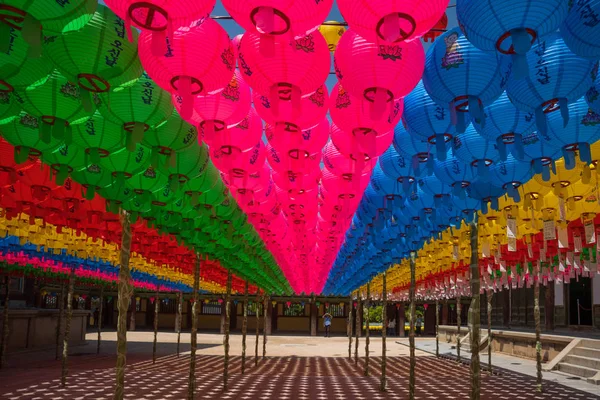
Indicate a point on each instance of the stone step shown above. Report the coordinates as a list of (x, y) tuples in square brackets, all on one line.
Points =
[(582, 361), (591, 343), (576, 370), (586, 352)]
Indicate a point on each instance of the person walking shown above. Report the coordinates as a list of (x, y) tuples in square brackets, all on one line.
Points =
[(327, 323), (391, 328)]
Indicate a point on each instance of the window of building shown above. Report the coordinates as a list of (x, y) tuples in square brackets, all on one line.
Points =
[(336, 310), (168, 306), (50, 301), (211, 308), (294, 310), (252, 308)]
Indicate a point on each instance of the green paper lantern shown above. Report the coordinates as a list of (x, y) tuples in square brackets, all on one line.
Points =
[(124, 164), (98, 56), (92, 178), (10, 106), (64, 160), (136, 108), (98, 137), (168, 138), (35, 18), (57, 102), (190, 163), (17, 70), (145, 184), (136, 208), (23, 133), (207, 187)]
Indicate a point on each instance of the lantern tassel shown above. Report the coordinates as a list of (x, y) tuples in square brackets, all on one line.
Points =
[(585, 153), (45, 132), (440, 146), (482, 170), (564, 111), (31, 31), (518, 150), (391, 27), (62, 175), (137, 134), (569, 157), (172, 160), (377, 107), (90, 193), (431, 164), (5, 31), (21, 154), (540, 121), (476, 110), (495, 203), (159, 43), (86, 99), (154, 157), (187, 99), (501, 148), (58, 129)]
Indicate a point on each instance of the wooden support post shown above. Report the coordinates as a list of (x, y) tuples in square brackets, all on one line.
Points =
[(350, 312), (194, 331), (490, 294), (226, 338), (179, 319), (65, 352), (411, 332), (99, 322), (475, 313), (61, 313), (358, 327), (437, 326), (265, 306), (458, 317), (538, 342), (5, 328), (244, 327), (367, 340), (125, 296), (156, 310), (257, 314), (384, 335)]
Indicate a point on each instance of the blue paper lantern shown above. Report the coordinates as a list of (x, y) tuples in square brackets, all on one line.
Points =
[(581, 28), (419, 151), (472, 149), (509, 26), (510, 174), (540, 153), (436, 188), (506, 125), (428, 120), (463, 78), (454, 173), (398, 166), (582, 130), (383, 185), (557, 77), (592, 96)]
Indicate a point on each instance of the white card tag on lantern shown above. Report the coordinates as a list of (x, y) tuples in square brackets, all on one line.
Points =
[(512, 244), (562, 212), (502, 266), (561, 263), (563, 238), (577, 245), (511, 228), (570, 258), (455, 252), (485, 250), (543, 254), (549, 230), (529, 250), (590, 232)]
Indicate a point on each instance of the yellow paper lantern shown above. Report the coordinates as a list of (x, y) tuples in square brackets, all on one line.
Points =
[(332, 31)]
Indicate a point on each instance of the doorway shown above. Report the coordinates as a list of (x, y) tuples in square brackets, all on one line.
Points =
[(580, 312)]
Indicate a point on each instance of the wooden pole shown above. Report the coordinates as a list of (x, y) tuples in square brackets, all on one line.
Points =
[(156, 310), (489, 321), (194, 333), (5, 328), (257, 314), (61, 312), (65, 352), (124, 297), (437, 325), (100, 309), (244, 327), (367, 329), (358, 328), (265, 305), (384, 335), (351, 308), (226, 328), (411, 332), (538, 342), (458, 312), (179, 316), (475, 314)]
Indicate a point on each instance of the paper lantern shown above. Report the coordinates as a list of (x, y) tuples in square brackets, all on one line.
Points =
[(455, 173), (428, 120), (384, 74), (419, 152), (592, 96), (98, 137), (293, 71), (392, 22), (242, 136), (18, 70), (92, 178), (547, 89), (582, 129), (511, 27), (23, 133), (350, 114), (271, 18), (437, 29), (472, 149), (296, 159), (124, 164), (199, 61), (145, 184), (392, 189), (104, 59), (64, 160), (332, 31), (189, 164), (433, 186), (238, 163), (168, 138), (463, 78), (540, 153), (137, 108), (511, 174), (206, 188), (399, 166), (9, 166), (579, 26), (57, 103), (307, 142)]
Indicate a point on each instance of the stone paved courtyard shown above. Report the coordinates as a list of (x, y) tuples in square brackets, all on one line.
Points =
[(295, 368)]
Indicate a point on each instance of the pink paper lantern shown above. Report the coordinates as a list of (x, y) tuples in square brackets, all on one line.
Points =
[(199, 61), (364, 142), (244, 135), (216, 113), (346, 186), (309, 141), (340, 164), (383, 74), (277, 18), (312, 110), (160, 17), (385, 21), (351, 114), (297, 160), (296, 69), (236, 163), (298, 181)]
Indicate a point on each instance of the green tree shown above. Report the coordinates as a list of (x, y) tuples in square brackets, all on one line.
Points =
[(376, 314)]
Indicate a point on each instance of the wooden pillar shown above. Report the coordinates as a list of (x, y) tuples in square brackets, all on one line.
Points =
[(490, 295), (133, 312), (437, 325), (384, 335), (5, 328), (401, 320), (99, 322), (156, 310), (194, 330), (65, 352), (349, 327), (61, 312), (411, 333), (538, 341), (244, 327), (178, 319), (265, 319), (358, 327), (257, 314), (549, 306), (314, 311), (475, 313), (458, 321), (226, 339), (125, 294), (367, 340), (269, 318)]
